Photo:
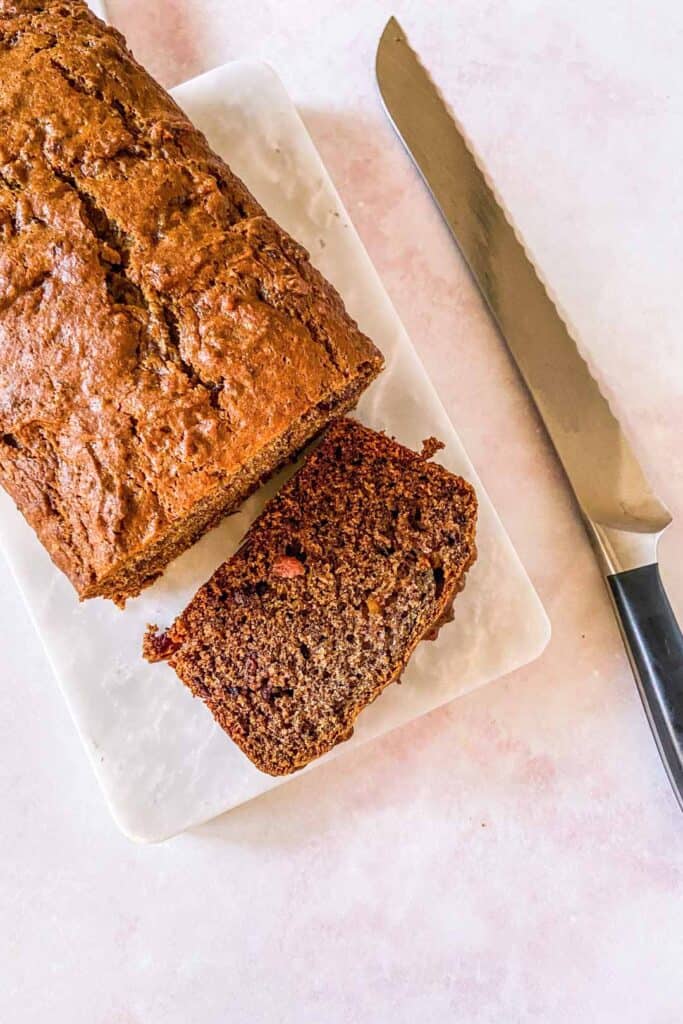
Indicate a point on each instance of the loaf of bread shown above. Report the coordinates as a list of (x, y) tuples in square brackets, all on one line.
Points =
[(357, 559), (164, 345)]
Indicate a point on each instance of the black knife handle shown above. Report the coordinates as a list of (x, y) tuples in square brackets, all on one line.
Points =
[(655, 646)]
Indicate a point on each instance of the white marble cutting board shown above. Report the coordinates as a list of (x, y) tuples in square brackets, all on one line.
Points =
[(161, 762)]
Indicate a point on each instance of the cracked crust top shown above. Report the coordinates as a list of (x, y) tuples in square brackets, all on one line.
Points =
[(157, 329)]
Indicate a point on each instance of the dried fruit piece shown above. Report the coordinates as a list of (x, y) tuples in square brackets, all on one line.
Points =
[(374, 606), (287, 567)]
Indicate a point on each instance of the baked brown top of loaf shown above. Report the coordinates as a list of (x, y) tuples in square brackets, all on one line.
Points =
[(163, 343), (356, 560)]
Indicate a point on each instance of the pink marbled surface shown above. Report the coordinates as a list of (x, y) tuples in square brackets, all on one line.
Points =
[(517, 855)]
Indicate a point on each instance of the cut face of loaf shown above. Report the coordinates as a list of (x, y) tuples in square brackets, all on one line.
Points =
[(164, 345), (357, 559)]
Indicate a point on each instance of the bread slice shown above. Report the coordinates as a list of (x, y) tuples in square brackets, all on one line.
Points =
[(164, 345), (355, 561)]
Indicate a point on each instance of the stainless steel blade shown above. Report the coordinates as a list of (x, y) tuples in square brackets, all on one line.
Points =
[(609, 484)]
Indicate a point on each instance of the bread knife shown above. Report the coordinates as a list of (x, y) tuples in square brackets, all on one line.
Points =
[(623, 516)]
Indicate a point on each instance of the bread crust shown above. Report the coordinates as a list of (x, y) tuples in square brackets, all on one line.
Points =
[(164, 345)]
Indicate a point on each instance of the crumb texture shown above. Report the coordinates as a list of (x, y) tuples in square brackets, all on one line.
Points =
[(163, 343), (356, 560)]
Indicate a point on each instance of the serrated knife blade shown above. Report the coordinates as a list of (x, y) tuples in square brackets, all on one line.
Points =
[(622, 513)]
